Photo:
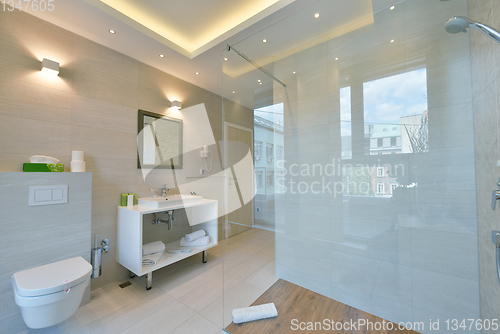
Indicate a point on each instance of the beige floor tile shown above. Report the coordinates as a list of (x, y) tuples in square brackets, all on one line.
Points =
[(195, 282), (131, 314), (72, 325), (233, 259), (267, 252), (264, 277), (258, 245), (247, 267), (180, 276), (196, 325), (164, 320), (215, 312), (107, 300), (207, 293)]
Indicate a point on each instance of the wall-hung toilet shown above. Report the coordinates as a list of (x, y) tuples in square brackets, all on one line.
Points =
[(51, 293)]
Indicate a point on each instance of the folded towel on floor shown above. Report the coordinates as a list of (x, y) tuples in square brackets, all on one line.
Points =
[(153, 247), (203, 241), (151, 259), (252, 313), (195, 235)]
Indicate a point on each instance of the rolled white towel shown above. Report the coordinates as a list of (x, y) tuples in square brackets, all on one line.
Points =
[(151, 259), (253, 313), (195, 235), (203, 241), (153, 247)]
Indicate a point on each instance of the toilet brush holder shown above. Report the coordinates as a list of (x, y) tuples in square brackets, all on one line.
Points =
[(96, 256)]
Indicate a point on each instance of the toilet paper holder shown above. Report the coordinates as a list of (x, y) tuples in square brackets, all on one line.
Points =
[(96, 256)]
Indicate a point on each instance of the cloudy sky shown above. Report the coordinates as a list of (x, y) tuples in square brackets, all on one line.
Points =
[(387, 100)]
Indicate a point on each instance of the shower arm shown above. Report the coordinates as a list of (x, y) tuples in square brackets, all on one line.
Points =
[(487, 30)]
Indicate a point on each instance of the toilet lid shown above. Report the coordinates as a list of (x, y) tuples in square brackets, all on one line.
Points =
[(50, 278)]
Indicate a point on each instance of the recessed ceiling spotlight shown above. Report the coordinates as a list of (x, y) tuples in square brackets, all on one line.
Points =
[(336, 58), (234, 92), (347, 78), (161, 56), (293, 72), (197, 73), (264, 40), (392, 7), (316, 15), (258, 80), (260, 83), (225, 59), (392, 41), (112, 31)]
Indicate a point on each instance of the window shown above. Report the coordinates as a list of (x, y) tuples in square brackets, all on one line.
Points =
[(270, 152), (379, 142), (279, 152), (380, 171), (396, 106), (270, 179), (345, 122), (257, 149), (259, 178), (380, 188), (387, 142)]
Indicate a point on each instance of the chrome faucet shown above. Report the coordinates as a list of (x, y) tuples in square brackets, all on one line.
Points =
[(164, 190)]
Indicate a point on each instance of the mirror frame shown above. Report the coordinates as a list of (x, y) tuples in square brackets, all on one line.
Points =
[(140, 124)]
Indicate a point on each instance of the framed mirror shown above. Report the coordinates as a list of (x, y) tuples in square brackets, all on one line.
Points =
[(159, 141)]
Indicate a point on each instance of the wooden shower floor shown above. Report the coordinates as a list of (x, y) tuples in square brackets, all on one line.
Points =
[(295, 302)]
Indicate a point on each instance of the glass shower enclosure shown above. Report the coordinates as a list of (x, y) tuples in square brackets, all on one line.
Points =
[(363, 158)]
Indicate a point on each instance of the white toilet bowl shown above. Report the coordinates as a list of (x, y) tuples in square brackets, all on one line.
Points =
[(51, 293)]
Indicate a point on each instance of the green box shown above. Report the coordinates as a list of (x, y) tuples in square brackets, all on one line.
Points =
[(43, 167)]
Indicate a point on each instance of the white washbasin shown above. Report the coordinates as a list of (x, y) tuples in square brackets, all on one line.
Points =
[(164, 202)]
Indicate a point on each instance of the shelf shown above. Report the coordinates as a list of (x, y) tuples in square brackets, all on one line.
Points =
[(168, 258)]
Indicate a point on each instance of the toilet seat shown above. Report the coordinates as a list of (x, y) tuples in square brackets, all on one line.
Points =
[(34, 301), (50, 294), (51, 278)]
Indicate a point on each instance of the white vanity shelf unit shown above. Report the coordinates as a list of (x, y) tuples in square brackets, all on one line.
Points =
[(201, 215)]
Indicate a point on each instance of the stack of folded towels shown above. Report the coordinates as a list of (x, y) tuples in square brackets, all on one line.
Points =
[(152, 252), (195, 239)]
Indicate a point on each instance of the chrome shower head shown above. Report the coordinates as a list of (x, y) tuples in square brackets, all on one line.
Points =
[(461, 24), (456, 25)]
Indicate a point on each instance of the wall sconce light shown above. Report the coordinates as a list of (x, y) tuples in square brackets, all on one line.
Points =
[(50, 66), (176, 104)]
